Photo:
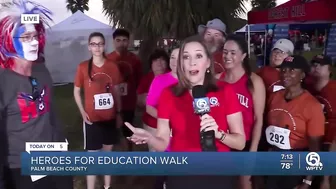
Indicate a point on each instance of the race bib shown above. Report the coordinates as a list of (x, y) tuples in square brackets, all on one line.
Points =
[(277, 88), (103, 101), (278, 137), (123, 89)]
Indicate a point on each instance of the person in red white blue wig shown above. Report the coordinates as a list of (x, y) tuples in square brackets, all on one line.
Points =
[(27, 112)]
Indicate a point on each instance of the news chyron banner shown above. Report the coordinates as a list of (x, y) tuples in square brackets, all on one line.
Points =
[(45, 147), (281, 31), (170, 163), (331, 43)]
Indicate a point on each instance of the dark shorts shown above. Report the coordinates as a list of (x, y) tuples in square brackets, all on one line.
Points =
[(201, 182), (14, 180), (99, 134), (128, 116)]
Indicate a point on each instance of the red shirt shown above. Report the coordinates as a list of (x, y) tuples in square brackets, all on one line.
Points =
[(145, 83), (144, 86), (328, 101), (246, 101), (218, 61), (131, 69), (309, 82), (185, 124), (271, 78)]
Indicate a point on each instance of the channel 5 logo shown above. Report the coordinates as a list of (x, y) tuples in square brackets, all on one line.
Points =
[(201, 105), (313, 161)]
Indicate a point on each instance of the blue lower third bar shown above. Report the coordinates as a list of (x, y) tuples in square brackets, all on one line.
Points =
[(169, 163)]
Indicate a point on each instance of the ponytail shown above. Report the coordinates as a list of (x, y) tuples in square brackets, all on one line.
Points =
[(94, 34), (248, 71), (90, 68)]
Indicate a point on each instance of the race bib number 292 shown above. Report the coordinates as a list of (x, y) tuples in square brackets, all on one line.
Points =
[(278, 137)]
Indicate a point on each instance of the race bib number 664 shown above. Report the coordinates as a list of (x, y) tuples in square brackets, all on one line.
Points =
[(278, 137), (103, 101)]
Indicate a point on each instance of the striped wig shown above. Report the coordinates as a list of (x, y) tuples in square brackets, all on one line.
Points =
[(10, 21)]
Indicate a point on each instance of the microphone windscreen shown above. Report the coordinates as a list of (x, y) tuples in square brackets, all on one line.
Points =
[(198, 91)]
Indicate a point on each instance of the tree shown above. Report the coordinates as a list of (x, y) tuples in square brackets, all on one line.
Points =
[(263, 4), (151, 20), (77, 5)]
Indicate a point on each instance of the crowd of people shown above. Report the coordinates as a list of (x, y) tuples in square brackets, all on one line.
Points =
[(286, 106)]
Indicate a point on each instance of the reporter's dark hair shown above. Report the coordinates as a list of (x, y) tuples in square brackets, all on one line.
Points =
[(183, 83), (94, 34), (243, 46), (121, 32), (159, 53)]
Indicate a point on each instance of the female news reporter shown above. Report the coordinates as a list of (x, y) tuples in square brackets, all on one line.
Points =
[(323, 88), (99, 78), (295, 120), (156, 88), (158, 63), (250, 90), (194, 67)]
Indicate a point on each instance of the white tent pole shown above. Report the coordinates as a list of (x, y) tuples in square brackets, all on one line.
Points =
[(249, 40)]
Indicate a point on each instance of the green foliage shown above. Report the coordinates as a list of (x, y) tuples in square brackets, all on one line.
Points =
[(263, 4), (77, 5), (173, 18)]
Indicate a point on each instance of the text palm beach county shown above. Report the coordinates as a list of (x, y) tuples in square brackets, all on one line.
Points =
[(105, 160)]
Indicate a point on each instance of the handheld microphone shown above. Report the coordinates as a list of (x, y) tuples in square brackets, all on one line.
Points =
[(202, 106)]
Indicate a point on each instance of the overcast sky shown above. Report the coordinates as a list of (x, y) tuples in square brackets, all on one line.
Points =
[(58, 7)]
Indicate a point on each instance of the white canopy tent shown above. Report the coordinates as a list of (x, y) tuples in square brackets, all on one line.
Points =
[(67, 45), (254, 28)]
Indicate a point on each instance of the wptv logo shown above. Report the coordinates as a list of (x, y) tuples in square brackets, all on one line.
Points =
[(313, 161)]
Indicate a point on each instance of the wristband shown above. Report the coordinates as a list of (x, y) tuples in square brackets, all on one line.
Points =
[(223, 135)]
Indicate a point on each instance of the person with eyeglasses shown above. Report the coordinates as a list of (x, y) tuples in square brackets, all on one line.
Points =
[(271, 74), (272, 81), (99, 77), (27, 108)]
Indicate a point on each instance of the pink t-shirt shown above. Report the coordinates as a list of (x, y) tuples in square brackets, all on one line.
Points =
[(159, 83)]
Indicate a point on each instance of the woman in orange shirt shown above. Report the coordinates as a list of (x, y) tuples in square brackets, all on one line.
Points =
[(99, 78), (295, 120)]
